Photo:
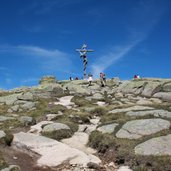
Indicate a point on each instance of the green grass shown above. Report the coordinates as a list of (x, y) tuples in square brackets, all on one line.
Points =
[(121, 151), (3, 163), (80, 101), (99, 111)]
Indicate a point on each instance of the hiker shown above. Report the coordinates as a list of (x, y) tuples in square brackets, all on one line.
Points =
[(102, 79), (70, 78), (90, 79), (136, 77)]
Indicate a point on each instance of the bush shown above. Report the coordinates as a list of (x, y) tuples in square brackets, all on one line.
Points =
[(59, 134), (99, 111), (100, 141)]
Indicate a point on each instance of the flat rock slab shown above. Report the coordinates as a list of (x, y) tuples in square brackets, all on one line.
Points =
[(65, 101), (108, 128), (5, 118), (163, 95), (156, 146), (133, 108), (137, 128), (157, 113), (55, 126), (52, 153), (79, 141)]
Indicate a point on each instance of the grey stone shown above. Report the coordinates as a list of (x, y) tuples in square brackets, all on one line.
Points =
[(27, 120), (108, 128), (166, 96), (156, 146), (151, 88), (15, 108), (133, 87), (26, 96), (52, 153), (5, 118), (9, 111), (97, 96), (42, 94), (76, 87), (48, 80), (2, 134), (10, 99), (50, 117), (28, 105), (54, 127), (137, 128), (144, 102), (133, 108), (156, 113), (167, 87)]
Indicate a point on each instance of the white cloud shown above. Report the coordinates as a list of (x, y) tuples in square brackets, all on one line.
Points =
[(111, 58), (46, 59)]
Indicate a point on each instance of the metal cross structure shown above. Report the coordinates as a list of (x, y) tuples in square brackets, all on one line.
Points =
[(83, 54)]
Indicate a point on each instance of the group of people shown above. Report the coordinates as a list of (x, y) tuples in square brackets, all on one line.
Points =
[(90, 79), (71, 79), (136, 77)]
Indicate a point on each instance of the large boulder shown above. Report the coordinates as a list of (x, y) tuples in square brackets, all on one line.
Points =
[(47, 80), (151, 88), (9, 99), (28, 96), (57, 131), (27, 120), (29, 105), (54, 127), (77, 87), (159, 146), (5, 118), (109, 128), (52, 153), (137, 128), (165, 96), (156, 113), (167, 87), (132, 108), (133, 87)]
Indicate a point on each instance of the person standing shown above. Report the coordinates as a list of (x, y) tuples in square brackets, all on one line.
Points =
[(102, 79), (90, 79)]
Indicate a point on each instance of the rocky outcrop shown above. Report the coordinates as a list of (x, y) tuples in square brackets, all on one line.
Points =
[(47, 80), (145, 87), (132, 108), (156, 113), (77, 87), (167, 87), (159, 146), (52, 153), (165, 96), (137, 128), (109, 128)]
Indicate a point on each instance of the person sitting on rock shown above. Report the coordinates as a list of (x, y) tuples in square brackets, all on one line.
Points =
[(70, 78), (90, 79)]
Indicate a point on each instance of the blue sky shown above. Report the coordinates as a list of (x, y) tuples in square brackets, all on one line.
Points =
[(39, 37)]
